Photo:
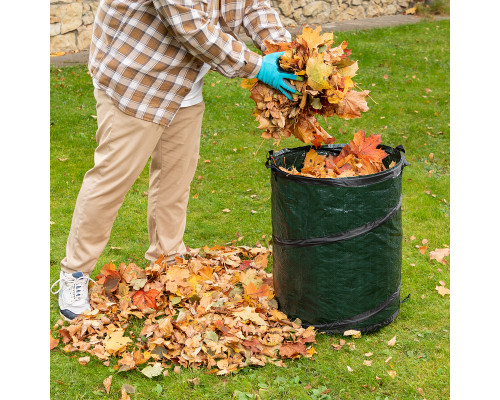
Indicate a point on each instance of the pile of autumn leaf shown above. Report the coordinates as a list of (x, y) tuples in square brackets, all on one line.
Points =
[(359, 157), (326, 88), (215, 308)]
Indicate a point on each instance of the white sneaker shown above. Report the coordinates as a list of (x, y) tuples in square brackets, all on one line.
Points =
[(73, 294)]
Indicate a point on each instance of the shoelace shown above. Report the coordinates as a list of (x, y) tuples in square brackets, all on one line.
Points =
[(77, 287)]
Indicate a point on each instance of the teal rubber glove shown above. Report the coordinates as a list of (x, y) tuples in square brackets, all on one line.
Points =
[(271, 74)]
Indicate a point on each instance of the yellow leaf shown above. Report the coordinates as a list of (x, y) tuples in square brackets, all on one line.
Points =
[(314, 39), (249, 314), (392, 373), (248, 83), (318, 73), (350, 70), (355, 334), (392, 342), (115, 342)]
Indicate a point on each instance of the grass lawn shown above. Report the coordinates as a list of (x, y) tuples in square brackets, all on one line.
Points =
[(406, 69)]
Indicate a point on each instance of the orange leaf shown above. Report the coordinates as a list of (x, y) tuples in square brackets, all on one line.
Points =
[(366, 148), (422, 249), (144, 299), (264, 291), (53, 342), (292, 350)]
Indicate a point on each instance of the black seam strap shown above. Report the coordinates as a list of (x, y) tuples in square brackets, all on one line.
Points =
[(360, 230), (358, 318)]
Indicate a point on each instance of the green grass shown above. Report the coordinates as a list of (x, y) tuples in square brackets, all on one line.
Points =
[(415, 58)]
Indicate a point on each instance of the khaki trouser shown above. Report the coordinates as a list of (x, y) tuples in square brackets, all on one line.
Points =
[(125, 144)]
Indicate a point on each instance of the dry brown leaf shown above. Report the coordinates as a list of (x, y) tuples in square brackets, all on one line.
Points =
[(125, 395), (107, 383), (392, 373), (422, 249), (53, 342), (439, 255), (442, 290), (354, 333), (392, 342), (84, 360)]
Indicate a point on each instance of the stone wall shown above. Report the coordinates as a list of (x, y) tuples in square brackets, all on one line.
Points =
[(71, 20), (71, 24), (298, 12)]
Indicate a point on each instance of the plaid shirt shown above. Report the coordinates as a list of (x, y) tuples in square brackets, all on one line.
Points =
[(146, 54)]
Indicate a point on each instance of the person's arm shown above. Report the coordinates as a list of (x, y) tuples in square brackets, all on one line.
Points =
[(261, 22), (207, 42)]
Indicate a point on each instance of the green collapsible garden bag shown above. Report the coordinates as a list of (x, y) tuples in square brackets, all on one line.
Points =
[(337, 243)]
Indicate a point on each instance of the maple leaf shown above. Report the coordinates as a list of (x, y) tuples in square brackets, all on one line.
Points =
[(318, 73), (109, 277), (53, 342), (354, 103), (248, 83), (115, 342), (263, 291), (442, 290), (366, 148), (292, 350), (152, 370), (314, 39), (144, 299), (439, 255), (249, 314), (273, 47)]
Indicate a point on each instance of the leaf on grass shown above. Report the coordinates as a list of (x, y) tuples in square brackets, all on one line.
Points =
[(392, 373), (53, 342), (125, 395), (355, 334), (84, 360), (107, 383), (439, 255), (392, 342), (442, 290), (152, 370)]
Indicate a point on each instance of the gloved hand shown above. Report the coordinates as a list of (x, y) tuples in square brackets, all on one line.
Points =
[(271, 74)]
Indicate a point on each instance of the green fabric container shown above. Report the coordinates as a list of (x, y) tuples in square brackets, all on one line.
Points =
[(337, 243)]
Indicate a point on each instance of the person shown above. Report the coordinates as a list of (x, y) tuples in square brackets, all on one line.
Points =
[(147, 60)]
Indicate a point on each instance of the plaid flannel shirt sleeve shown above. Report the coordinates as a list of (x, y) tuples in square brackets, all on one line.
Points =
[(261, 22), (188, 22)]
